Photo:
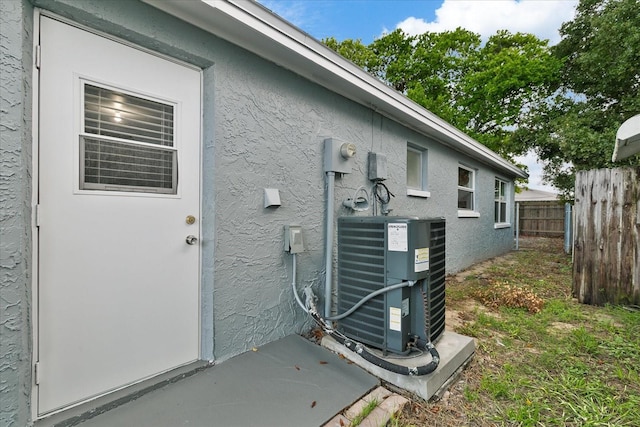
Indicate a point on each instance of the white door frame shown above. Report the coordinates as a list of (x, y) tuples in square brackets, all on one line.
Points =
[(35, 167)]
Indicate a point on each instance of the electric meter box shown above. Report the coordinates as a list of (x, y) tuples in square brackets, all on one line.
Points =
[(381, 251)]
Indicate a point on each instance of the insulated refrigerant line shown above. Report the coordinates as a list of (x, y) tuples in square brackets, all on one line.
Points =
[(363, 352), (368, 297)]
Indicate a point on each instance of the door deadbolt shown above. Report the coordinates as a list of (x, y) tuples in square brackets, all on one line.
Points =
[(191, 239), (190, 219)]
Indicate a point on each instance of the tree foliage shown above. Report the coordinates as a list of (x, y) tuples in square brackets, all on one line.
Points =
[(600, 50), (483, 89), (515, 93)]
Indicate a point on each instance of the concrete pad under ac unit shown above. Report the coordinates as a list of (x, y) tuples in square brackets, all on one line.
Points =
[(455, 351)]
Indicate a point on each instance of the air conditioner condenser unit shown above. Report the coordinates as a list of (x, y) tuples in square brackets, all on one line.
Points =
[(381, 251)]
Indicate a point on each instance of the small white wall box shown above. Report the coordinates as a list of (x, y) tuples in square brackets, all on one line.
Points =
[(293, 242), (271, 197)]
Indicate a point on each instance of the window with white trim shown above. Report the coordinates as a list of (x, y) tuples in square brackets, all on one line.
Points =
[(416, 171), (127, 143), (501, 211), (466, 188)]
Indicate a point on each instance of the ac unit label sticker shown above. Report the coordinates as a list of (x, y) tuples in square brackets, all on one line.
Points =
[(395, 318), (405, 307), (422, 260), (397, 235)]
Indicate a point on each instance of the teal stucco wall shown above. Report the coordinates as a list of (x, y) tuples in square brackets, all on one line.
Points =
[(263, 127)]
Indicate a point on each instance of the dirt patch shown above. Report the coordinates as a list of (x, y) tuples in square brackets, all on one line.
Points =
[(478, 271), (561, 326), (456, 317), (607, 319)]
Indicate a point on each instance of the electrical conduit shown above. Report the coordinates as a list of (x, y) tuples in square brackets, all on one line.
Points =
[(358, 348), (293, 285), (331, 177)]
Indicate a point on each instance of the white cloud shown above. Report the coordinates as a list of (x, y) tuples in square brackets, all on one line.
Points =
[(293, 11), (540, 17)]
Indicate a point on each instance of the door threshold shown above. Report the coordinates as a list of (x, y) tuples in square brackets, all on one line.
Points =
[(80, 413)]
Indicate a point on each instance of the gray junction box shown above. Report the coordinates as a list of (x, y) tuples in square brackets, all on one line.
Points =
[(381, 251)]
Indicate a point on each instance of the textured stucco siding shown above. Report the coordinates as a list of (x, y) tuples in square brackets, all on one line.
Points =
[(270, 130), (263, 127), (15, 212)]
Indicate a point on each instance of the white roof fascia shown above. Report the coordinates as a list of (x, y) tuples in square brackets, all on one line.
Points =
[(256, 29)]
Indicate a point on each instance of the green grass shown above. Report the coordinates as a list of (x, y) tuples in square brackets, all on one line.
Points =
[(567, 364), (369, 407)]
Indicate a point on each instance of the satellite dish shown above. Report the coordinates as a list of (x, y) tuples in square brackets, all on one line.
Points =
[(627, 139)]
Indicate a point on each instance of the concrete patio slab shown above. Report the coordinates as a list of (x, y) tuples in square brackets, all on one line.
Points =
[(287, 382), (454, 349)]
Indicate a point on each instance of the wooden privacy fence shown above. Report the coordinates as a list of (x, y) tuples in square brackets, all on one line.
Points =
[(606, 264), (542, 218)]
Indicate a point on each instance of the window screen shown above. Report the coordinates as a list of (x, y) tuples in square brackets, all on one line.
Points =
[(127, 143), (500, 202), (414, 168), (465, 188)]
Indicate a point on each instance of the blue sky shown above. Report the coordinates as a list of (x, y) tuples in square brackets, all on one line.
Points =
[(368, 19), (350, 19)]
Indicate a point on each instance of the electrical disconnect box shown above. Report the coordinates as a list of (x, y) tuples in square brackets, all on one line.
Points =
[(377, 167), (293, 242), (378, 252)]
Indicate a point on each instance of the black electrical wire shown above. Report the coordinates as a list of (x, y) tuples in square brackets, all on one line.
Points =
[(387, 194)]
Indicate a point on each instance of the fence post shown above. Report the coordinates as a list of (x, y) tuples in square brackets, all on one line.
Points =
[(517, 225), (568, 238)]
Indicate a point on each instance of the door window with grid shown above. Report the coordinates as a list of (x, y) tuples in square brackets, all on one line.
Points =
[(126, 143)]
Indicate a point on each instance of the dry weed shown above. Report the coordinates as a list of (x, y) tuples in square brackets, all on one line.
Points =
[(502, 294)]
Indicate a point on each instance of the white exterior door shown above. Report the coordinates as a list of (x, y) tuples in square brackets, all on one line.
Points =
[(119, 192)]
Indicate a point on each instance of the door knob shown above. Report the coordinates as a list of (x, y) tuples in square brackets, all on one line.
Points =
[(191, 239)]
